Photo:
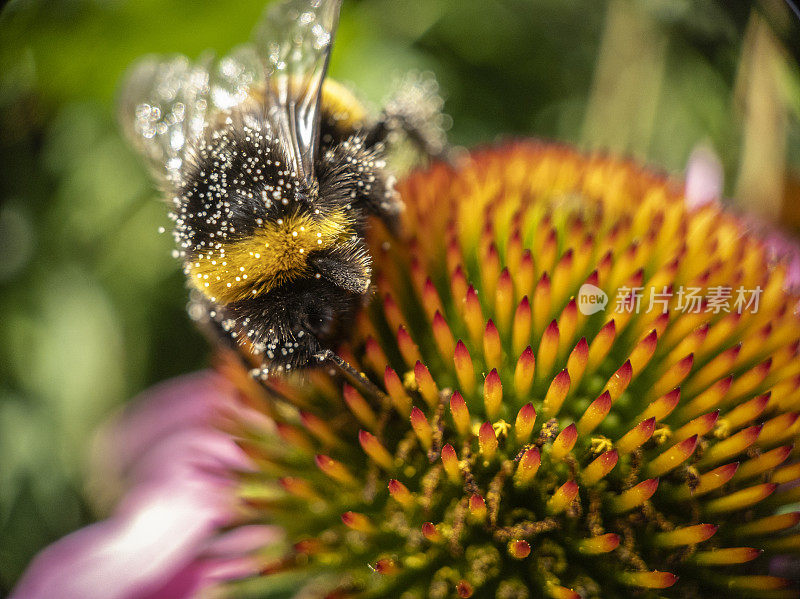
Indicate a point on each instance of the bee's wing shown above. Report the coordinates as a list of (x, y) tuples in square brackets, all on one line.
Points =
[(294, 40), (166, 102)]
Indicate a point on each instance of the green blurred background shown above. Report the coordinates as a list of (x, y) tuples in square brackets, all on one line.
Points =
[(92, 304)]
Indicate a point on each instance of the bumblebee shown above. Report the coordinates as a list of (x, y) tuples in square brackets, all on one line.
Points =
[(272, 171)]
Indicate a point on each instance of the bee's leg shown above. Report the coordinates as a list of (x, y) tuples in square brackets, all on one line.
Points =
[(415, 110), (424, 137), (355, 377)]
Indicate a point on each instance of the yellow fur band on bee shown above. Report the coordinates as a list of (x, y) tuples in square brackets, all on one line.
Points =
[(276, 253)]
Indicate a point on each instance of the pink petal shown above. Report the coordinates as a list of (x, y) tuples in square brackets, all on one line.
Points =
[(200, 575), (182, 403), (151, 539), (163, 539), (782, 247), (193, 452), (704, 178), (244, 540)]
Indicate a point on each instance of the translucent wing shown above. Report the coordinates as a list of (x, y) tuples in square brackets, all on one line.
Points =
[(233, 77), (167, 101), (294, 40)]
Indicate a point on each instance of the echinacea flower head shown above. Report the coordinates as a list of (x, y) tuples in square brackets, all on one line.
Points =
[(586, 387)]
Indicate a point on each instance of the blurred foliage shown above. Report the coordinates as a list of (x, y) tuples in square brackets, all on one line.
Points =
[(92, 303)]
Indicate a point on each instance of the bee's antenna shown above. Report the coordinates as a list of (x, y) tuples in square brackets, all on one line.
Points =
[(351, 374)]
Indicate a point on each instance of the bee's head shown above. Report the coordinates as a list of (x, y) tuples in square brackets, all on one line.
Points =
[(294, 322)]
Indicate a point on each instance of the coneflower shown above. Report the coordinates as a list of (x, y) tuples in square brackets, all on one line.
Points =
[(585, 388)]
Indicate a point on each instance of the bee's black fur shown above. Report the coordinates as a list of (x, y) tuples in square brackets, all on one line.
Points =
[(210, 211), (295, 322), (236, 180)]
